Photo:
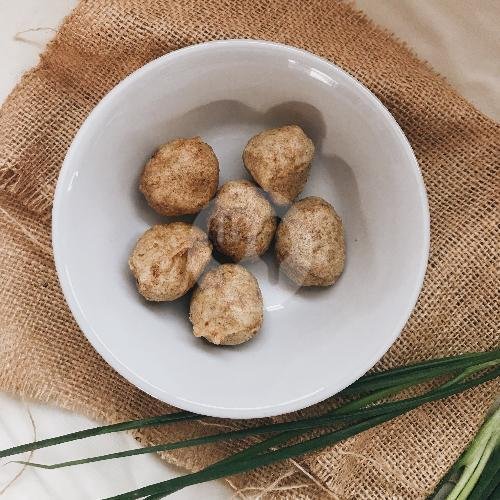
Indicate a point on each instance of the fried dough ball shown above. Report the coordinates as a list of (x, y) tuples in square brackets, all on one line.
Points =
[(279, 160), (181, 177), (242, 222), (226, 308), (168, 259), (310, 243)]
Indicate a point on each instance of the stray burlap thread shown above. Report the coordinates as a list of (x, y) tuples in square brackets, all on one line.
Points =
[(43, 354)]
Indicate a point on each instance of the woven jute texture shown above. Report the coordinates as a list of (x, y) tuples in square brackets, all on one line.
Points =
[(43, 354)]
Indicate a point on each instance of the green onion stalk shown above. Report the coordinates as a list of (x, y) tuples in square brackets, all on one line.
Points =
[(476, 474), (368, 405)]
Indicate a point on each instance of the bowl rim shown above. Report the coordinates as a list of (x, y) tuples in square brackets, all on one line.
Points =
[(329, 389)]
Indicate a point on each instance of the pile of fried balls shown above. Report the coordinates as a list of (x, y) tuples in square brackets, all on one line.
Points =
[(182, 178)]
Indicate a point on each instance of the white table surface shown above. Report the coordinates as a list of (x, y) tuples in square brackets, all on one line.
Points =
[(458, 37)]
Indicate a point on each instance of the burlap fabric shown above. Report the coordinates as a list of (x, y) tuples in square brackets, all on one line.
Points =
[(43, 354)]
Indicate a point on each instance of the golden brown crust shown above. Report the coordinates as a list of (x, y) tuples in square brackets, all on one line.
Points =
[(168, 259), (310, 243), (279, 160), (242, 222), (181, 177), (226, 307)]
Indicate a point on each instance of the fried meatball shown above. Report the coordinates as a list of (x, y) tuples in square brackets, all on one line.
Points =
[(226, 307), (310, 243), (181, 177), (279, 160), (242, 222), (168, 259)]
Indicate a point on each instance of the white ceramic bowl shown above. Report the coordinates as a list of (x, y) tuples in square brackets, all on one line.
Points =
[(314, 342)]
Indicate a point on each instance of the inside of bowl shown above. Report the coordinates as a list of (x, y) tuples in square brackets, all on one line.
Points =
[(314, 341)]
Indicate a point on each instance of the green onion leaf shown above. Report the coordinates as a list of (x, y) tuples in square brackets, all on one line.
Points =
[(97, 431), (416, 372), (357, 415), (223, 469)]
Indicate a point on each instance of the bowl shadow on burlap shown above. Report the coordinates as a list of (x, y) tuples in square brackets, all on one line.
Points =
[(229, 112)]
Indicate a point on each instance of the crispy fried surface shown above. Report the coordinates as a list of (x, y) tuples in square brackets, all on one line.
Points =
[(168, 259), (242, 222), (279, 160), (227, 307), (181, 177), (310, 243)]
